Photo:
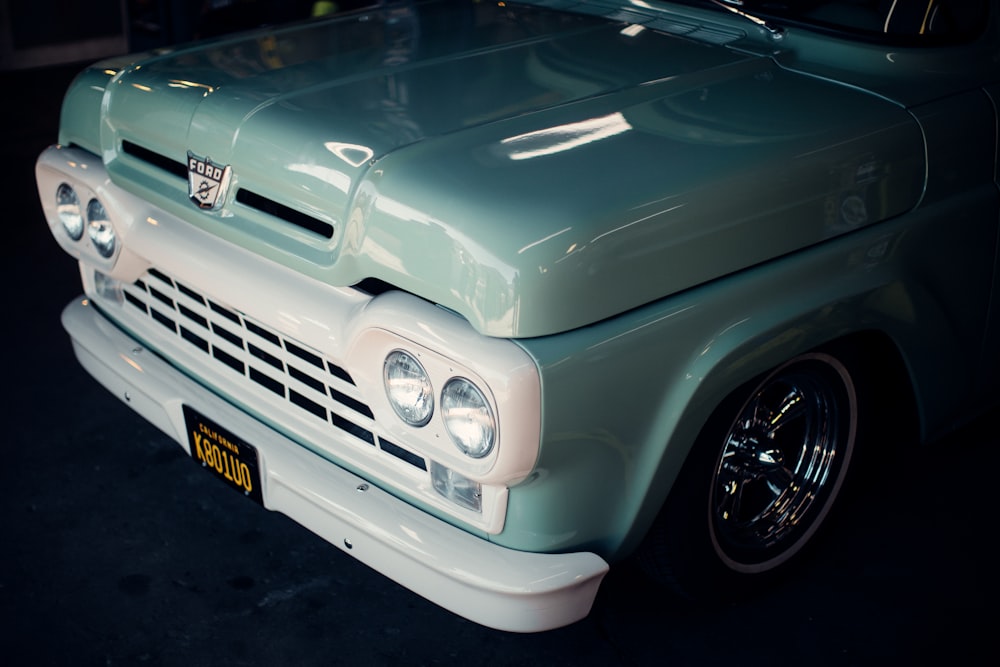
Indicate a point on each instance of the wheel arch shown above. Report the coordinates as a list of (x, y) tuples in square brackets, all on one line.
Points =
[(875, 361)]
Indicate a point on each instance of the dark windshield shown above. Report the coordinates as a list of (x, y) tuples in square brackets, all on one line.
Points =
[(918, 21)]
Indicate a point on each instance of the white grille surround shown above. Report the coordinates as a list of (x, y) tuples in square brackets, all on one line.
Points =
[(287, 384), (274, 342)]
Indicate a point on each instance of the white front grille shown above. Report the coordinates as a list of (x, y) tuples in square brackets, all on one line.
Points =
[(261, 359)]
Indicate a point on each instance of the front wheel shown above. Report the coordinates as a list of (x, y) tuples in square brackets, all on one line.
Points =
[(760, 481)]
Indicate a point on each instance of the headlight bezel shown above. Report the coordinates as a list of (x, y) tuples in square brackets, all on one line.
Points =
[(440, 437)]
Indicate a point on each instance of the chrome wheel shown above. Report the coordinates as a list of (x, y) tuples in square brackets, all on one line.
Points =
[(781, 463)]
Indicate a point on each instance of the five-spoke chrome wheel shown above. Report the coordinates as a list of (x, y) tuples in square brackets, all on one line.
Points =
[(760, 480), (782, 462)]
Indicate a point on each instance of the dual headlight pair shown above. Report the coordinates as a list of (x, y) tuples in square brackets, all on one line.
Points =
[(94, 219), (464, 410)]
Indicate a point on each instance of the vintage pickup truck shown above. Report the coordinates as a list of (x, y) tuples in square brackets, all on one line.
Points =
[(493, 295)]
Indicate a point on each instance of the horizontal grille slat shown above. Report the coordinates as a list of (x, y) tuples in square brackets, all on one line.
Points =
[(193, 316), (272, 364), (304, 355), (267, 381), (225, 312), (163, 298), (227, 335), (137, 302), (352, 428), (191, 294), (194, 339), (164, 320), (265, 356), (355, 405), (401, 454), (228, 359), (307, 404), (307, 379), (266, 335)]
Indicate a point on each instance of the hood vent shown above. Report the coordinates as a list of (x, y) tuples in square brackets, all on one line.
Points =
[(286, 213), (173, 167), (243, 196)]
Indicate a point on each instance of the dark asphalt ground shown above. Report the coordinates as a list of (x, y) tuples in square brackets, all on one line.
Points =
[(118, 550)]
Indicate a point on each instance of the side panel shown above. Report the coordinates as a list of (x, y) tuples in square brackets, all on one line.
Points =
[(991, 346), (961, 138)]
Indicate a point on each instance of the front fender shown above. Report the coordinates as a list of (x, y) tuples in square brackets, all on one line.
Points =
[(623, 401)]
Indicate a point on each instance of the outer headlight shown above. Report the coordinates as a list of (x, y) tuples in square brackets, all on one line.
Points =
[(468, 417), (408, 388), (99, 229), (68, 208)]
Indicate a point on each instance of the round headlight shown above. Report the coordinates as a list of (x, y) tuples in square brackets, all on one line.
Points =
[(468, 417), (68, 209), (408, 388), (99, 229)]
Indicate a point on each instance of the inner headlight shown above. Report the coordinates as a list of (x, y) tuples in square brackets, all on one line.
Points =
[(408, 388), (99, 229), (68, 209), (468, 417)]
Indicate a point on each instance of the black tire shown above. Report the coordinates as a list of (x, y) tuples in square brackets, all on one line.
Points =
[(759, 483)]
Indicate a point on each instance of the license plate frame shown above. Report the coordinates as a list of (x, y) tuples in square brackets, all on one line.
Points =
[(225, 455)]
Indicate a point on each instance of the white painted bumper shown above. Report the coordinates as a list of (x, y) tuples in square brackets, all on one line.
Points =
[(491, 585)]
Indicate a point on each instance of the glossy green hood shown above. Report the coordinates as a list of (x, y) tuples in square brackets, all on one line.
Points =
[(534, 171)]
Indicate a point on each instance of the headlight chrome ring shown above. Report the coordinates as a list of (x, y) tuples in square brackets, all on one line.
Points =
[(468, 417), (100, 230), (408, 388), (69, 212)]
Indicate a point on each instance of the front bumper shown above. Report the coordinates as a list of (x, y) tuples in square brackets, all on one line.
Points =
[(486, 583)]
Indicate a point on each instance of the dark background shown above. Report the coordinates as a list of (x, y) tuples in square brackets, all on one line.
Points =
[(118, 550), (37, 33)]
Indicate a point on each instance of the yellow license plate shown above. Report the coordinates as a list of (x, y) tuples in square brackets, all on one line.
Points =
[(223, 454)]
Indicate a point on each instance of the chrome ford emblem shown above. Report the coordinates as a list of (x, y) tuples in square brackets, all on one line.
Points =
[(207, 181)]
